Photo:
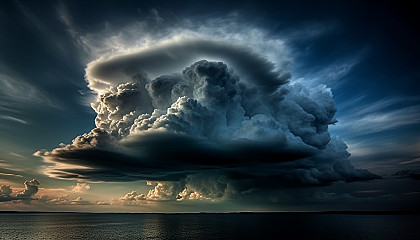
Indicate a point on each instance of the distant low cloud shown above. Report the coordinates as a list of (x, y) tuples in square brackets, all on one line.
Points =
[(64, 200), (58, 201), (211, 131), (413, 174), (31, 188), (81, 187), (193, 187), (5, 190), (133, 198), (80, 201)]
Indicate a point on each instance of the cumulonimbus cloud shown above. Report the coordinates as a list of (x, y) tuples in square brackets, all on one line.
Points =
[(165, 114)]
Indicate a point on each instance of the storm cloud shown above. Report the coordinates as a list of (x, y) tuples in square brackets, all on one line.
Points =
[(204, 120)]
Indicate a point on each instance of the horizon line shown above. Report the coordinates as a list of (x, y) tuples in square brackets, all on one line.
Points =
[(355, 212)]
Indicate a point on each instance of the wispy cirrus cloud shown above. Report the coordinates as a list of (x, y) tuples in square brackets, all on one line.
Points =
[(308, 31), (361, 118), (42, 28), (152, 27), (17, 95), (331, 73), (10, 170), (16, 92)]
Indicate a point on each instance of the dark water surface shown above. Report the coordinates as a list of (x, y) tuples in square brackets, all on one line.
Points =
[(207, 226)]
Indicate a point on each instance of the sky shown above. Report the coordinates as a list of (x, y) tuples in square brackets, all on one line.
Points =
[(135, 106)]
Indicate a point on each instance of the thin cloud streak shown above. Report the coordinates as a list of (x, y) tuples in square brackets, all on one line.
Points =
[(380, 121), (85, 53), (308, 31), (16, 92), (42, 28), (11, 167), (11, 174), (417, 160), (379, 116), (16, 155), (14, 119), (331, 74)]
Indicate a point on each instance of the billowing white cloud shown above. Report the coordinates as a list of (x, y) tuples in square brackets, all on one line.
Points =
[(192, 188), (81, 187), (133, 196), (162, 191)]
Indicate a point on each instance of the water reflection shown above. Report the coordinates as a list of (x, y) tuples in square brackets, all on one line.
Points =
[(206, 226)]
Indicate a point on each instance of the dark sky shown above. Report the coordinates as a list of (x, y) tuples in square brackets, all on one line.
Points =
[(209, 106)]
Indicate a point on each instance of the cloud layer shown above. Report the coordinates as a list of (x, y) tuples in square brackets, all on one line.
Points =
[(215, 129), (171, 56)]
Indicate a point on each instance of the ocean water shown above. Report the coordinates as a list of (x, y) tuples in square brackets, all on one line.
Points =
[(207, 226)]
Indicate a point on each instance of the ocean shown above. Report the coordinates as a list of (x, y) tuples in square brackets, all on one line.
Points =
[(208, 226)]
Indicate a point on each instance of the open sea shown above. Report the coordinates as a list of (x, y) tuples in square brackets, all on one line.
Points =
[(208, 226)]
